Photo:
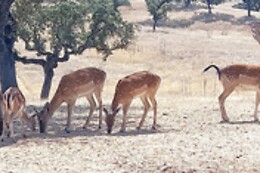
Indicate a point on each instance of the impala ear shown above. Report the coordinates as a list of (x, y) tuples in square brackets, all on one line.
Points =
[(46, 106), (105, 110), (33, 116), (117, 110)]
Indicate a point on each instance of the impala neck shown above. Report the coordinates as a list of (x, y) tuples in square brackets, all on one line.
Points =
[(115, 104), (54, 104)]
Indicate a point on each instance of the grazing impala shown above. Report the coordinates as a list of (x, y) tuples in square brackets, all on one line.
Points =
[(14, 106), (141, 84), (87, 82), (233, 76)]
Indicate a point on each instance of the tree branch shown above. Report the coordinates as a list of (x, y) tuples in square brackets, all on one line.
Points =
[(26, 60), (162, 3), (66, 56)]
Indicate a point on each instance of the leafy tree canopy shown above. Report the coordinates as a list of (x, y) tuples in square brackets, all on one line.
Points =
[(57, 30), (70, 25), (158, 9)]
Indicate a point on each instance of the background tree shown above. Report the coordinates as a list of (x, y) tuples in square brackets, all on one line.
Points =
[(212, 2), (57, 31), (187, 3), (158, 9), (251, 5)]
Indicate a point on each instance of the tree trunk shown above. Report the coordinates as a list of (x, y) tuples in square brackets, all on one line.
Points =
[(51, 63), (7, 38), (7, 66), (48, 75), (187, 3), (154, 24), (209, 7), (249, 8)]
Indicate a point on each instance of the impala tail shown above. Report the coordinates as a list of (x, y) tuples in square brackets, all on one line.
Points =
[(215, 67)]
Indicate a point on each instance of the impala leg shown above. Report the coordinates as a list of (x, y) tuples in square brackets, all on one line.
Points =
[(154, 103), (22, 125), (92, 105), (125, 110), (256, 104), (71, 106), (3, 132), (99, 100), (146, 108), (11, 127), (222, 98), (23, 129)]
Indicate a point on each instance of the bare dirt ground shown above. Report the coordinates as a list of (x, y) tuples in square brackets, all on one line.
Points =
[(190, 137)]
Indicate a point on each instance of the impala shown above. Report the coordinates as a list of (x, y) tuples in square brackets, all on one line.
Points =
[(236, 75), (87, 82), (141, 84), (14, 106)]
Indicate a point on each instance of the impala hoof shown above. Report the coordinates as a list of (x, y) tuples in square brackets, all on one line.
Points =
[(154, 127), (224, 121), (122, 130), (67, 130)]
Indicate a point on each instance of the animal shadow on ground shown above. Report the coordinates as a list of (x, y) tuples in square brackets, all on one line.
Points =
[(57, 124), (240, 122)]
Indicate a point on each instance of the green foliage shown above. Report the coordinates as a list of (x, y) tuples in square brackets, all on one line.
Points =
[(110, 31), (158, 9), (29, 23), (65, 22), (71, 26), (214, 2), (109, 3), (254, 5)]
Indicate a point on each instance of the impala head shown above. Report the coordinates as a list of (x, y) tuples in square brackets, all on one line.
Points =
[(110, 119), (32, 123), (43, 117)]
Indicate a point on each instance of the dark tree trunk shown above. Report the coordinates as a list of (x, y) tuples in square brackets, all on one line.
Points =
[(187, 3), (155, 21), (48, 75), (51, 63), (8, 75), (248, 8), (7, 38), (209, 7)]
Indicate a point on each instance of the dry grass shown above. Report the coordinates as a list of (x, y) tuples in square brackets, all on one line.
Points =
[(190, 137)]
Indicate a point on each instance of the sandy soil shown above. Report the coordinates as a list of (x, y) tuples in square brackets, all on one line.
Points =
[(190, 137)]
